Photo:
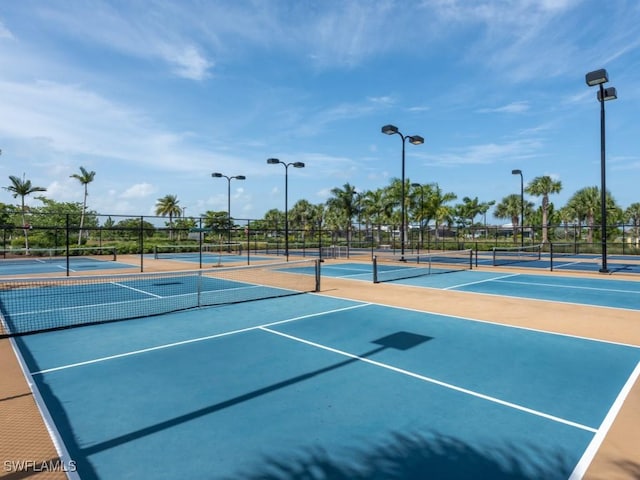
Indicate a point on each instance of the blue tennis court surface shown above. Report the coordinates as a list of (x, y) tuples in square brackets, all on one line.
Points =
[(311, 386)]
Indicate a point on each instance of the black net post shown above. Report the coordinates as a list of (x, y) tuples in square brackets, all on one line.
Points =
[(375, 269)]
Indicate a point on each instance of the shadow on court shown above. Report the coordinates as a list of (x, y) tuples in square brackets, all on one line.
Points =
[(417, 455), (399, 341)]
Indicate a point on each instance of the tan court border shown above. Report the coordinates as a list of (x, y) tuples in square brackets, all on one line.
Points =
[(25, 436)]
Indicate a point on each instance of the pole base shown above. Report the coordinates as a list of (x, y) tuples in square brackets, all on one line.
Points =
[(604, 270)]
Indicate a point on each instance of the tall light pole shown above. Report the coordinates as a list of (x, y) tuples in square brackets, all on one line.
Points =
[(273, 161), (599, 78), (421, 187), (235, 177), (519, 172), (415, 140)]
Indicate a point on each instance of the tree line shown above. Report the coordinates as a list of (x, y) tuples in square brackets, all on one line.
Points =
[(425, 205)]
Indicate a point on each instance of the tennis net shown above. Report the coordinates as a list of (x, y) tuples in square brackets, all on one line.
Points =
[(511, 255), (33, 305), (387, 268)]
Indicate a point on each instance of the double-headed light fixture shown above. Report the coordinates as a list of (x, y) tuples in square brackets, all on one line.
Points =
[(599, 78), (415, 140), (274, 161), (235, 177)]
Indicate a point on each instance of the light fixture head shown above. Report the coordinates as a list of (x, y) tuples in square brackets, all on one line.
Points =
[(609, 94), (416, 140), (273, 161), (389, 129), (216, 175), (597, 77), (240, 177), (298, 164), (516, 172)]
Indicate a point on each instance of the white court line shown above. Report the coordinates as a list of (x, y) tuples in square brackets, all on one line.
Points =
[(575, 287), (481, 281), (194, 340), (135, 289), (450, 386), (598, 438), (567, 264), (61, 267), (47, 419)]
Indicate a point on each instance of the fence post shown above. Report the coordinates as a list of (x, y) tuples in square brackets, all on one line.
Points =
[(141, 241), (67, 242)]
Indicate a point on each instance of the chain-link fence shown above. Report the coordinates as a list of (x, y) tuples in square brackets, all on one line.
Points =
[(143, 235)]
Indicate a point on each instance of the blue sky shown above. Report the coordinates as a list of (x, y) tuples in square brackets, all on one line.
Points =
[(154, 96)]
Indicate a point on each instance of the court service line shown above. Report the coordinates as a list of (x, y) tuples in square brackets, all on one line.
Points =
[(440, 383), (117, 284), (481, 281), (598, 438), (575, 287), (194, 340), (568, 264)]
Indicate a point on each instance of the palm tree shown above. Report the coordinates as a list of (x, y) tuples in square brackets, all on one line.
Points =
[(344, 205), (484, 208), (469, 209), (509, 207), (632, 214), (585, 203), (566, 215), (435, 206), (85, 178), (542, 187), (22, 188), (168, 205), (301, 216), (376, 209)]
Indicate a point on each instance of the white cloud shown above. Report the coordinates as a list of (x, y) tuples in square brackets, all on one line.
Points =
[(513, 107), (487, 153), (189, 62), (4, 32), (139, 190), (154, 31)]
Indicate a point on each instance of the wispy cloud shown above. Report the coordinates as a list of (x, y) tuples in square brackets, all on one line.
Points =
[(76, 121), (188, 62), (485, 154), (139, 34), (139, 190), (513, 107), (4, 32)]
